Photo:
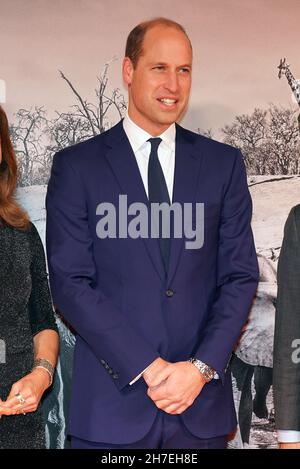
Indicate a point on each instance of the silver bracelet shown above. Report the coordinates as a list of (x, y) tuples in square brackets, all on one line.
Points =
[(46, 365)]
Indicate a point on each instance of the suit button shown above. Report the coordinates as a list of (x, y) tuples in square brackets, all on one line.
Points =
[(115, 376), (110, 371), (169, 293), (106, 366)]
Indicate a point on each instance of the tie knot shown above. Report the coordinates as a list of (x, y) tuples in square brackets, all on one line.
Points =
[(155, 141)]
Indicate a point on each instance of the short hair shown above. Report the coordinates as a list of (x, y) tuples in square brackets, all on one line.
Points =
[(135, 39)]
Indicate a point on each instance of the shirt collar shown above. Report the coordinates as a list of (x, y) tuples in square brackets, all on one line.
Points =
[(138, 136)]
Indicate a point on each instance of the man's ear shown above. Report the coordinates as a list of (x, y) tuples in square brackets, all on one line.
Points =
[(127, 71)]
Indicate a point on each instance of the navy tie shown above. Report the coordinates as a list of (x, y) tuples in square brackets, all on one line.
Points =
[(158, 192)]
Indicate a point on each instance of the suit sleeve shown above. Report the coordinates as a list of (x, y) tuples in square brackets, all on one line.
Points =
[(72, 275), (237, 274), (286, 375)]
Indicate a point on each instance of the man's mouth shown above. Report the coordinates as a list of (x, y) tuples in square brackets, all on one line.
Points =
[(168, 101)]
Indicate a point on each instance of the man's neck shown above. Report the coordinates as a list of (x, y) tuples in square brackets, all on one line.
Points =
[(154, 130)]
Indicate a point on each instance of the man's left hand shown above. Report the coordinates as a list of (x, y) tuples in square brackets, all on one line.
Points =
[(181, 383)]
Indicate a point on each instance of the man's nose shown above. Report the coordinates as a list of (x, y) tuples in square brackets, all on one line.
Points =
[(171, 82)]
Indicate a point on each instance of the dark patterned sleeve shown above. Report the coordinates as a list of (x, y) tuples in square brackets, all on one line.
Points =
[(41, 313)]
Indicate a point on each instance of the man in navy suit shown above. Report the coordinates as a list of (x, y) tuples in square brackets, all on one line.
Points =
[(156, 321)]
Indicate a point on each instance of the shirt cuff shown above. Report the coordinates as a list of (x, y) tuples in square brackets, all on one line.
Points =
[(138, 376), (288, 436)]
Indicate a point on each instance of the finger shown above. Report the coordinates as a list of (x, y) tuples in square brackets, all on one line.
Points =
[(172, 408), (11, 410), (1, 409), (162, 394), (157, 392), (6, 411), (7, 405), (31, 404), (179, 410), (19, 409), (15, 405), (161, 376), (15, 389), (162, 404), (31, 408), (12, 400)]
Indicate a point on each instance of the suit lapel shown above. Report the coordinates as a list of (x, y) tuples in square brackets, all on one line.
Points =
[(187, 170), (125, 168)]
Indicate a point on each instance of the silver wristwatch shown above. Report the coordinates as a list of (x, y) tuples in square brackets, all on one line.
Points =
[(207, 372)]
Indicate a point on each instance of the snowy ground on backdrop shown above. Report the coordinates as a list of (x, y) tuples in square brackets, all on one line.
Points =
[(273, 197)]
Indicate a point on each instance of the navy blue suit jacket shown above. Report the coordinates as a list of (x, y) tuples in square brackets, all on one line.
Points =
[(114, 291)]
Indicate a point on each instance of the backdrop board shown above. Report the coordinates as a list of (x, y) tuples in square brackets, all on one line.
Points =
[(60, 83)]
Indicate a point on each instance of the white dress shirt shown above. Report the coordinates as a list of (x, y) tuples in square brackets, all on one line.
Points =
[(166, 154), (141, 149)]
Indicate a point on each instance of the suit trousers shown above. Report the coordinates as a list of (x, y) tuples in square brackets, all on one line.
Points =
[(167, 432)]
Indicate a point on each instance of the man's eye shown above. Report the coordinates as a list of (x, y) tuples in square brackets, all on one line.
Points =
[(159, 67), (185, 70)]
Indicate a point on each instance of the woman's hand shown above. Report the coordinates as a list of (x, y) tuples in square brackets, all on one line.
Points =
[(30, 388)]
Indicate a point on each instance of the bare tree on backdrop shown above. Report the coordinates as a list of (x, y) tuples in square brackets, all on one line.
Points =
[(29, 134), (284, 140), (88, 119), (248, 132), (36, 137), (269, 140)]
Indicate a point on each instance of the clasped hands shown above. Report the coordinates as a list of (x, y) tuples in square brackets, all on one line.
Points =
[(173, 387)]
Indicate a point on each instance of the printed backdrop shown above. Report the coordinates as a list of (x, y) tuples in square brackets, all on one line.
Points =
[(60, 83)]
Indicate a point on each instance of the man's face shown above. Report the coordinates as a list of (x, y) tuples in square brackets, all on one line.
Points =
[(159, 86)]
